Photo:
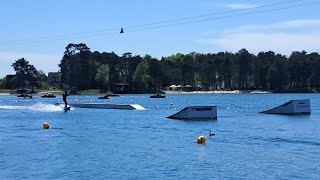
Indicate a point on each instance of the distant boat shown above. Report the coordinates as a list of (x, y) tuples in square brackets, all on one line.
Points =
[(157, 96), (113, 95), (291, 107), (24, 96), (48, 95), (104, 97), (104, 106), (196, 112)]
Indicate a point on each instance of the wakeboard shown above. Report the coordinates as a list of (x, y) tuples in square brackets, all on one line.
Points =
[(67, 109)]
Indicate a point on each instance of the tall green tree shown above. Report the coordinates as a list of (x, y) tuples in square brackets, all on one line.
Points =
[(153, 71), (111, 59), (227, 69), (3, 83), (206, 69), (245, 68), (25, 73), (141, 78), (102, 77), (300, 69), (314, 59), (188, 69), (77, 68), (127, 65), (277, 75), (261, 67)]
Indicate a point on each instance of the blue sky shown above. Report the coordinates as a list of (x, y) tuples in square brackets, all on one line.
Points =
[(40, 30)]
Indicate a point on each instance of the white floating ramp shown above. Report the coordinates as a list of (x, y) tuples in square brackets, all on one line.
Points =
[(196, 112), (291, 107), (105, 106)]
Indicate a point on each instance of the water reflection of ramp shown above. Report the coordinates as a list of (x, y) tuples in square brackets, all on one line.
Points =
[(36, 107)]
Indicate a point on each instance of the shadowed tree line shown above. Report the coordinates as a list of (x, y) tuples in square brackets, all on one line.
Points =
[(82, 69)]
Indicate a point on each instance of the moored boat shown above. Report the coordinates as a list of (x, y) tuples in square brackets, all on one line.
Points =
[(113, 95), (24, 96), (157, 96), (48, 95), (104, 97)]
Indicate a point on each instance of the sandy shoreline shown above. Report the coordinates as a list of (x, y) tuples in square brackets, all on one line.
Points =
[(187, 92), (219, 92)]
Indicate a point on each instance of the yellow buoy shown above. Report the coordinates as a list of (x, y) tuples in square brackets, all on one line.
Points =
[(45, 125), (201, 140)]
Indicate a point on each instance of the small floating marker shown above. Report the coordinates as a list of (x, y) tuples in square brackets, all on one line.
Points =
[(201, 140), (45, 125), (171, 104)]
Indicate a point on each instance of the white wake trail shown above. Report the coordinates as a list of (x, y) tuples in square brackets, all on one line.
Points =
[(36, 107)]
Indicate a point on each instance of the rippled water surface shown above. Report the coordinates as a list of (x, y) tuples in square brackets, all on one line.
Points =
[(144, 144)]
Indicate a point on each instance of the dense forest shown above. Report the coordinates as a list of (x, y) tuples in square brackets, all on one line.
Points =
[(82, 69)]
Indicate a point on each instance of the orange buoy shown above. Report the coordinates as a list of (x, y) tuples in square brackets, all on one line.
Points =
[(45, 125), (201, 140)]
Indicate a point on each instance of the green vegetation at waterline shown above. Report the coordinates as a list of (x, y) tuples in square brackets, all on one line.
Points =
[(26, 76), (82, 69)]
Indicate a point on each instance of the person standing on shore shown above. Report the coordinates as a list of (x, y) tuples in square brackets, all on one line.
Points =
[(64, 98)]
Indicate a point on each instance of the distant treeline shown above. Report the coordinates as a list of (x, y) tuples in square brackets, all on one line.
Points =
[(82, 69)]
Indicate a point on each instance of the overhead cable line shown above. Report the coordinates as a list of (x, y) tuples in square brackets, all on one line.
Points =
[(219, 18), (54, 37), (161, 24), (214, 14)]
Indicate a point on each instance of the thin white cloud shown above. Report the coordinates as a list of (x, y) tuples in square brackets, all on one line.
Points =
[(278, 42), (44, 62), (283, 37), (300, 23), (292, 25), (241, 6)]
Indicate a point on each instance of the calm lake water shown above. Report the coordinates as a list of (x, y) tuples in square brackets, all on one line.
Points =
[(144, 144)]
